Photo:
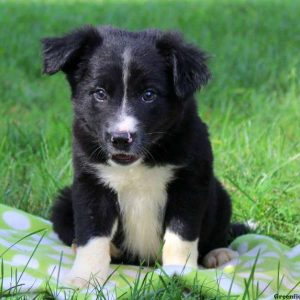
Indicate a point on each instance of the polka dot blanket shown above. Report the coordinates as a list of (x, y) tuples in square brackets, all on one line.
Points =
[(33, 261)]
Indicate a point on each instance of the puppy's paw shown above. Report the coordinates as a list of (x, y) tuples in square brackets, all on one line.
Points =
[(72, 279), (179, 252), (218, 257), (91, 265), (81, 280)]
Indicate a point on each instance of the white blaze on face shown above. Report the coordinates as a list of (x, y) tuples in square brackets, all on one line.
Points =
[(125, 121), (126, 63)]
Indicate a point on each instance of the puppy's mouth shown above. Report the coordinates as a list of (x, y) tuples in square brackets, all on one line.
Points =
[(124, 159)]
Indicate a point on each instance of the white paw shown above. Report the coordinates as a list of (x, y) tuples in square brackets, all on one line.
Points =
[(218, 257), (80, 280), (72, 280), (91, 265), (179, 252)]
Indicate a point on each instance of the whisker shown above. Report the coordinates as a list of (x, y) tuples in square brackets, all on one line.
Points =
[(158, 132), (146, 152), (98, 150)]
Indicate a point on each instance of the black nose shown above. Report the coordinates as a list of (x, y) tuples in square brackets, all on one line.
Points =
[(121, 139)]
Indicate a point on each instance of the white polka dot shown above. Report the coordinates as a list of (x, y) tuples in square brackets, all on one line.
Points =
[(226, 284), (66, 250), (6, 232), (289, 284), (263, 276), (258, 249), (261, 237), (258, 275), (16, 247), (296, 265), (244, 274), (54, 236), (131, 273), (22, 260), (21, 248), (57, 257), (111, 284), (293, 252), (250, 263), (260, 269), (263, 287), (296, 274), (36, 238), (26, 282), (271, 254), (16, 220), (43, 220), (242, 248)]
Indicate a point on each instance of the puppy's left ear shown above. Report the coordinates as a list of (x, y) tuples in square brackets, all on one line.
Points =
[(187, 63)]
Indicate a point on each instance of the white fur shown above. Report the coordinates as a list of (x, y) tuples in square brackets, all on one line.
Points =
[(126, 61), (126, 123), (252, 224), (177, 251), (142, 198), (92, 261), (114, 229)]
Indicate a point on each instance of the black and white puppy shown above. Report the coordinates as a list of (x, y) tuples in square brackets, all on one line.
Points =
[(144, 187)]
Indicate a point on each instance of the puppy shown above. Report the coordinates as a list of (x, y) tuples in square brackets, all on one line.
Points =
[(144, 189)]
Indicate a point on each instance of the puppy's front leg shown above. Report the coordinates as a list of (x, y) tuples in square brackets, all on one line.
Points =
[(95, 215), (183, 221), (178, 251), (91, 263)]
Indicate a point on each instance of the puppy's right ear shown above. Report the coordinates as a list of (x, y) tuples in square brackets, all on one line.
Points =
[(64, 53)]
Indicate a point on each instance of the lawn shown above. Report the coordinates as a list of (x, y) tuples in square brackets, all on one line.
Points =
[(252, 105)]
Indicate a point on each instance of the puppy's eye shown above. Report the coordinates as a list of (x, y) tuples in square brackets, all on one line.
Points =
[(149, 96), (100, 95)]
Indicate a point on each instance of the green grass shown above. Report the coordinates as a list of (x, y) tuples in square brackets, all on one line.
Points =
[(252, 104)]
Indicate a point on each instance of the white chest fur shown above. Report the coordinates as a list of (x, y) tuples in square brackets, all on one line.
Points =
[(142, 196)]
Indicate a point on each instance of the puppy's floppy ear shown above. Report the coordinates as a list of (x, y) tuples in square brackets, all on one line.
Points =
[(187, 63), (63, 53)]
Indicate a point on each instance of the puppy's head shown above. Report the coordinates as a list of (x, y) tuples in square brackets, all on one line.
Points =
[(128, 88)]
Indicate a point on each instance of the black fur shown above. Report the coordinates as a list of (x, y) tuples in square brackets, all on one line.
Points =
[(62, 217), (170, 132)]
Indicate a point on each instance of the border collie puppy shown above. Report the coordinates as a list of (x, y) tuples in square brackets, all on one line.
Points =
[(143, 187)]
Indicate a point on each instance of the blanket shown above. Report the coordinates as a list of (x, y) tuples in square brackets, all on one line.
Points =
[(33, 261)]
